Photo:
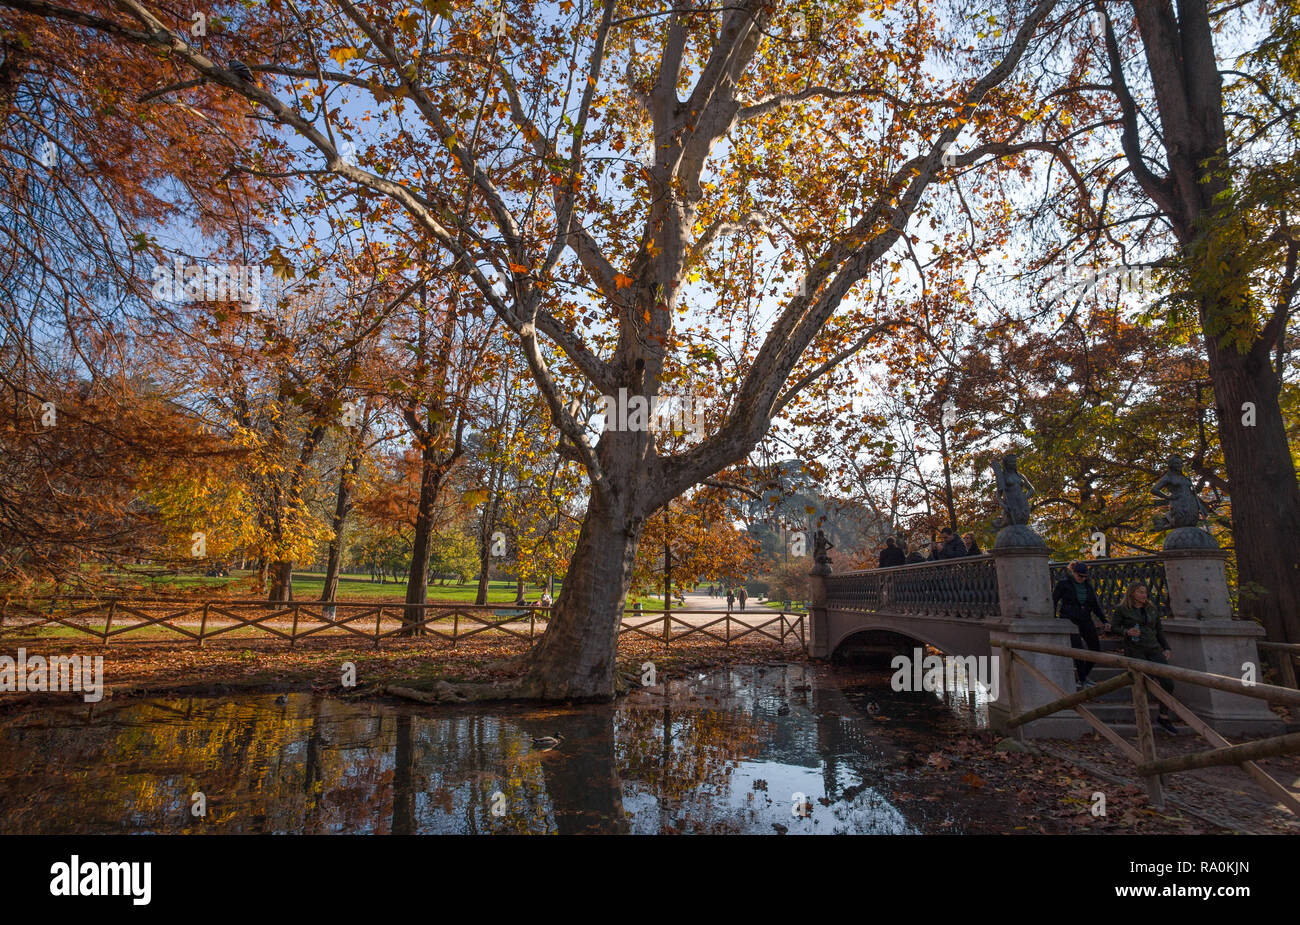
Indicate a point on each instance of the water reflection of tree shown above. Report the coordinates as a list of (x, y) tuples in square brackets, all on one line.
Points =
[(672, 753), (318, 765)]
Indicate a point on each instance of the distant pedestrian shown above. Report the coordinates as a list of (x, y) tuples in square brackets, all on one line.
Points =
[(743, 596), (972, 548), (891, 555), (1078, 603), (950, 545), (1139, 623), (731, 599)]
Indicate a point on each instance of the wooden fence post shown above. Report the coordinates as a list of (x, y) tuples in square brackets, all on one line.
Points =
[(108, 622), (1013, 702), (293, 633), (1286, 667), (1146, 737), (203, 623), (379, 618)]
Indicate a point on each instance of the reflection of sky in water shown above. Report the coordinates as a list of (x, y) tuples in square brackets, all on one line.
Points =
[(968, 697), (760, 793), (727, 753)]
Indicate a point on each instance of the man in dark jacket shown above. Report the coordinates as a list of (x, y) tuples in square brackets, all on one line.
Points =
[(1077, 600), (950, 545), (891, 555), (914, 556)]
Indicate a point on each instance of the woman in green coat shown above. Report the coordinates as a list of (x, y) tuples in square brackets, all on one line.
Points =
[(1139, 625)]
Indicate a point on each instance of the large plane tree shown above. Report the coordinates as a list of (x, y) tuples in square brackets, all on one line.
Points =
[(656, 197)]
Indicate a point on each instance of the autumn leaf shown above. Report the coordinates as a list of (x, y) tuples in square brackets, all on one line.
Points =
[(342, 55), (622, 282)]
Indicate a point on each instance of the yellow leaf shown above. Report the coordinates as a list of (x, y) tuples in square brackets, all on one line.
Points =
[(343, 55)]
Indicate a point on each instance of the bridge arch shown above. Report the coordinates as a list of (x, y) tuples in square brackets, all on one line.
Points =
[(953, 636)]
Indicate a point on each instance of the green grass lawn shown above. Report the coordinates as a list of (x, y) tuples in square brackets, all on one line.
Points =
[(307, 587)]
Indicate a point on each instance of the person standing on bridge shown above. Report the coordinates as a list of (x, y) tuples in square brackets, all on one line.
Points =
[(1139, 623), (1077, 600), (950, 545), (972, 548), (913, 555), (891, 555)]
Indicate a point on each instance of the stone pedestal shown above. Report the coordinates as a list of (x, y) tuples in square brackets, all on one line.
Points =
[(1198, 583), (1029, 691), (1223, 647), (1204, 637), (1025, 599), (818, 625)]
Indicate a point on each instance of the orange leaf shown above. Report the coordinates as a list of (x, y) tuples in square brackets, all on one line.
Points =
[(516, 268), (622, 282)]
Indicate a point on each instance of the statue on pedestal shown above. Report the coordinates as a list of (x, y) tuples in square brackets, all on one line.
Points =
[(1186, 510), (821, 554), (1014, 491)]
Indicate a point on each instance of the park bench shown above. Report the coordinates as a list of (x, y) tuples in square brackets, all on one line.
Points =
[(510, 613)]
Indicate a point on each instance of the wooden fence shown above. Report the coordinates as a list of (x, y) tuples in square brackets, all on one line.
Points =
[(789, 624), (1286, 663), (1139, 673), (201, 621)]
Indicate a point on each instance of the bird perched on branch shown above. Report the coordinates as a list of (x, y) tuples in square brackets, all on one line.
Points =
[(241, 70)]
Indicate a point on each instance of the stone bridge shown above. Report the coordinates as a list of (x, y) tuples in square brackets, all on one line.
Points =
[(963, 606)]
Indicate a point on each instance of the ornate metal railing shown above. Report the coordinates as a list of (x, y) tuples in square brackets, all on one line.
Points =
[(1112, 577), (965, 587)]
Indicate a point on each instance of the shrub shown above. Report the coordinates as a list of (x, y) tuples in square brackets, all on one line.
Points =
[(790, 582)]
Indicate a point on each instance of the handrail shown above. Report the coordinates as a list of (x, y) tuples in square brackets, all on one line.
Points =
[(1260, 691), (911, 565), (1280, 646), (965, 587), (256, 602), (1052, 563), (1137, 673)]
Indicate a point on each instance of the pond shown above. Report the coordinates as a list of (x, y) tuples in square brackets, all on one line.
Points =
[(760, 749)]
